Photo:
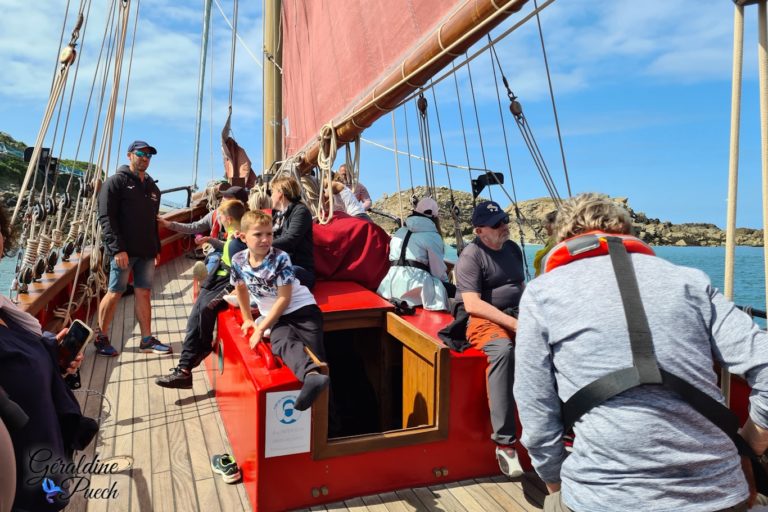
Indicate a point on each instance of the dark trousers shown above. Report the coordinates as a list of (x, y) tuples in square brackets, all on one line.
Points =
[(500, 378), (198, 341), (292, 332)]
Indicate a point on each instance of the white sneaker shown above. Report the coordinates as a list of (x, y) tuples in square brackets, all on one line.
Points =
[(508, 461)]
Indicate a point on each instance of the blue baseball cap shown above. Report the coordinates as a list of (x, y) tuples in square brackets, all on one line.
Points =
[(488, 213), (143, 146)]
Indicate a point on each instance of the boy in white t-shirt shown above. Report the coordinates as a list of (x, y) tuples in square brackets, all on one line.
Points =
[(264, 275)]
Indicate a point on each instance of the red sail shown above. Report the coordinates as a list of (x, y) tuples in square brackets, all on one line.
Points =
[(337, 50)]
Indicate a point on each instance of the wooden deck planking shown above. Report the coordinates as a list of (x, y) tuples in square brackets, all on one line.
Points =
[(171, 434)]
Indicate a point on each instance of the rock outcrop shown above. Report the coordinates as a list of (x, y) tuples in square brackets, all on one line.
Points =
[(532, 212)]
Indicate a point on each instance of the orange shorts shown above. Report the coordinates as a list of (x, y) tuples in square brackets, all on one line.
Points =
[(480, 331)]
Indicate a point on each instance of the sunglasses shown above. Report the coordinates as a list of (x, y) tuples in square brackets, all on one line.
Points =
[(505, 220), (142, 154)]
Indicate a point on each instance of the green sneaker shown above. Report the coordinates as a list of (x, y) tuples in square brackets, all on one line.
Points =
[(226, 466)]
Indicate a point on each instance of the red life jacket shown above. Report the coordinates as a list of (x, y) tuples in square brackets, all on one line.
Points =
[(590, 244), (215, 225)]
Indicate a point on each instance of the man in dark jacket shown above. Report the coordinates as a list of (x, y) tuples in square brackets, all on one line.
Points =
[(129, 203)]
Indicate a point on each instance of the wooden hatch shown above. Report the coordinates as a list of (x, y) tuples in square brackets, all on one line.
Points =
[(390, 385)]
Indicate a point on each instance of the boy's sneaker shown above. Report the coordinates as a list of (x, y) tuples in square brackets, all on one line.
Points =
[(177, 379), (226, 466), (154, 346), (103, 347), (508, 462), (200, 271)]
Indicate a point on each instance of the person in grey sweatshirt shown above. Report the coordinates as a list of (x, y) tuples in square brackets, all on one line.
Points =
[(645, 448)]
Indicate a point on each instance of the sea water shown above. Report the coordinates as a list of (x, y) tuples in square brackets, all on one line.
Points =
[(749, 281)]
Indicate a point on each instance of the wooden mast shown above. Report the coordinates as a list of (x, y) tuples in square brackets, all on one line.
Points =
[(465, 27), (272, 97)]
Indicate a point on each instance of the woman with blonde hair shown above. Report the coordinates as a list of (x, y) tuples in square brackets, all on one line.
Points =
[(292, 225)]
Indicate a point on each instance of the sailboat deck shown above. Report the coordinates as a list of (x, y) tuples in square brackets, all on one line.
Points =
[(171, 434)]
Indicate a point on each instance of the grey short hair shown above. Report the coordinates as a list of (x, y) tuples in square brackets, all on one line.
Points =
[(591, 212)]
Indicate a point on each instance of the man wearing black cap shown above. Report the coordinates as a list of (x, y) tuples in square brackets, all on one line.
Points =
[(129, 203), (490, 277)]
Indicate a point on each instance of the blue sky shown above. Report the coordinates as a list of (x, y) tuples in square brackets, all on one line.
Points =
[(642, 89)]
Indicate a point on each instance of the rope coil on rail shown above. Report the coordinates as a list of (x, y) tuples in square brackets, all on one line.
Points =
[(325, 159)]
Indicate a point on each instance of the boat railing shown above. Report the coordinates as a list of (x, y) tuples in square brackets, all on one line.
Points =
[(188, 188)]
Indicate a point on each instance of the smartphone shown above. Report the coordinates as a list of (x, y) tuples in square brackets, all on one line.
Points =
[(74, 342)]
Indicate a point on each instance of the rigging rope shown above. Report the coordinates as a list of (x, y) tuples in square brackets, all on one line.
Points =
[(353, 163), (426, 145), (452, 207), (201, 89), (66, 58), (128, 77), (552, 98), (92, 233), (408, 145), (325, 161), (397, 171), (461, 118), (477, 122), (420, 158), (232, 56), (518, 214), (242, 42), (527, 133)]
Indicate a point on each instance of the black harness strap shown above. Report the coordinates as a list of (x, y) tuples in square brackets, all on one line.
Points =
[(402, 262), (645, 369)]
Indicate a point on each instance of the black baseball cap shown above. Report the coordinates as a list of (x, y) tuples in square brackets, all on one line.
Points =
[(143, 146), (238, 193), (488, 213)]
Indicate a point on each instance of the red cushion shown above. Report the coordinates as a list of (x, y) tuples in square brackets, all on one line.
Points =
[(351, 249)]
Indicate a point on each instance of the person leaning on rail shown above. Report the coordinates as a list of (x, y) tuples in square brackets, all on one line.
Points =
[(344, 199), (649, 447), (210, 230), (359, 191)]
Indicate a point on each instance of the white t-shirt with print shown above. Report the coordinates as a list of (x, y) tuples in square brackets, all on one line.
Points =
[(262, 281)]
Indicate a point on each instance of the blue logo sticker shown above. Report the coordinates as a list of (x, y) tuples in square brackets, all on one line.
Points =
[(284, 408)]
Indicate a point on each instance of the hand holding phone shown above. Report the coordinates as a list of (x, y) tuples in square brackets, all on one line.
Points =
[(73, 343)]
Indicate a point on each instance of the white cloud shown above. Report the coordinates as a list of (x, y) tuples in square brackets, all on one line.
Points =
[(165, 67)]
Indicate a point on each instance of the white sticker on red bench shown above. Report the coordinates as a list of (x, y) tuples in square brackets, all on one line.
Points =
[(287, 430)]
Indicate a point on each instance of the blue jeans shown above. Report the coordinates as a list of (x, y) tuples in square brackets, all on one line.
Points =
[(212, 260), (143, 273)]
